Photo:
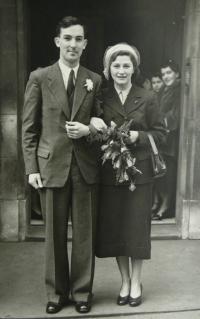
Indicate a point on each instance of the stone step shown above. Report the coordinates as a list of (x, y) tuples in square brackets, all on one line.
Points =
[(160, 230)]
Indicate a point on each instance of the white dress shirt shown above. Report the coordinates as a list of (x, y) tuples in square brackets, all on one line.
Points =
[(65, 70), (123, 93)]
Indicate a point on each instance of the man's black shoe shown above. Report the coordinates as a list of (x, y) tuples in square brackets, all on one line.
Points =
[(83, 306), (54, 307)]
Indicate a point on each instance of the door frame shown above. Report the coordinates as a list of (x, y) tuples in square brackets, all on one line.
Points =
[(177, 229)]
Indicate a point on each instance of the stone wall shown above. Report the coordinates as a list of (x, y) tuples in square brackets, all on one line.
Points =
[(188, 195), (11, 167)]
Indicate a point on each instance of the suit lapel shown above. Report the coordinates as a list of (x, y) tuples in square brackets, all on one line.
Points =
[(133, 99), (56, 86), (80, 90), (113, 100)]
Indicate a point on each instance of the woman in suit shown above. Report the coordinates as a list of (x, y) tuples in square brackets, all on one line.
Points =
[(124, 221)]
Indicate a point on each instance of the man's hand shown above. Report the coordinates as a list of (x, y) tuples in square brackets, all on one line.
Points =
[(133, 137), (98, 123), (76, 130), (35, 180)]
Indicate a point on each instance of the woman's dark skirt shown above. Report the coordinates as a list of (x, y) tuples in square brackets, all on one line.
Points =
[(124, 222)]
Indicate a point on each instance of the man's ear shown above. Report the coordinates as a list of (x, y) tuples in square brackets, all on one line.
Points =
[(57, 42), (85, 43)]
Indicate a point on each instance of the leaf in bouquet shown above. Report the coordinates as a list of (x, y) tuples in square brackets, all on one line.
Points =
[(117, 174), (116, 164), (121, 171), (104, 136), (116, 147), (106, 155), (121, 178), (136, 171), (134, 160), (132, 187), (125, 127), (113, 124), (126, 178), (123, 161), (114, 155), (104, 147), (130, 162), (111, 131), (123, 148)]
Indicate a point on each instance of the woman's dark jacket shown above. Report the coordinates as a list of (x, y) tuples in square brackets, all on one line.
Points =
[(141, 106), (170, 109)]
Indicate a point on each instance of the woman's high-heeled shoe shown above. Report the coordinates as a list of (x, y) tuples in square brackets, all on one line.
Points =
[(134, 302), (121, 301)]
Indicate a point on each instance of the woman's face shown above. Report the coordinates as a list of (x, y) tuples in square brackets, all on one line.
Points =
[(121, 70), (168, 76)]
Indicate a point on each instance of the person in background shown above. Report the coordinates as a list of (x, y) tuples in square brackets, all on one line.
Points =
[(156, 82), (157, 86), (124, 219), (170, 109), (142, 80)]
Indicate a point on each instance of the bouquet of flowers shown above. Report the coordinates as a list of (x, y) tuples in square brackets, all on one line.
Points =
[(115, 148)]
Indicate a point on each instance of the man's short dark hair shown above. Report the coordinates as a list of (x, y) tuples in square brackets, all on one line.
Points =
[(68, 21)]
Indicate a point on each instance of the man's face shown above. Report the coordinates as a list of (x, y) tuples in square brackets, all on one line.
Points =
[(71, 42), (156, 83), (168, 76)]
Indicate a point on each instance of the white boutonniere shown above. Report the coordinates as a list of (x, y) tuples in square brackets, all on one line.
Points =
[(89, 85)]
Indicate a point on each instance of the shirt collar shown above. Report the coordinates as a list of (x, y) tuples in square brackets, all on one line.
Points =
[(66, 69), (124, 92)]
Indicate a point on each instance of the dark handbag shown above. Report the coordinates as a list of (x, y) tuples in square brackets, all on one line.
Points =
[(158, 163)]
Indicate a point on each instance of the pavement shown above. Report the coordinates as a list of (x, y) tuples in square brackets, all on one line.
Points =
[(171, 283)]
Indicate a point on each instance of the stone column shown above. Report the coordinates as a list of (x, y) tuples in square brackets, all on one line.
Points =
[(12, 210), (188, 195)]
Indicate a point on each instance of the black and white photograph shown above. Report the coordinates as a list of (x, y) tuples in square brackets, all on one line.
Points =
[(99, 159)]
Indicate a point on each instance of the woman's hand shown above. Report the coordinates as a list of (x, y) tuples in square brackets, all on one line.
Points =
[(98, 123), (133, 137)]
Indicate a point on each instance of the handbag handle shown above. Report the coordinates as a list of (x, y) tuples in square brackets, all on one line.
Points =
[(153, 144)]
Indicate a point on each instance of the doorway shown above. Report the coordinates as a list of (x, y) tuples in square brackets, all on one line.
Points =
[(155, 27)]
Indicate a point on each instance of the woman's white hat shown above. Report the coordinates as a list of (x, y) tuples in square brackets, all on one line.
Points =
[(117, 48)]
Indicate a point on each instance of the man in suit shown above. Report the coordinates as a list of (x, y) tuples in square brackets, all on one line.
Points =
[(59, 101)]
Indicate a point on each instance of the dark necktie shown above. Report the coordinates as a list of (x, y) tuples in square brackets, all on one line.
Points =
[(70, 89)]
